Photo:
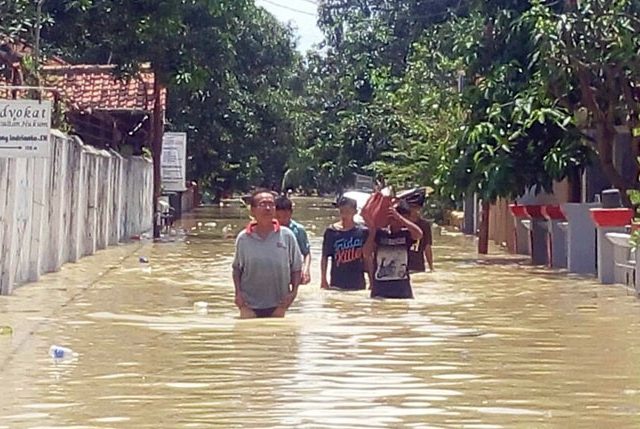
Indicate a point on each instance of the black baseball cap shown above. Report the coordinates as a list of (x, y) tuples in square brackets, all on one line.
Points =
[(414, 197), (346, 202)]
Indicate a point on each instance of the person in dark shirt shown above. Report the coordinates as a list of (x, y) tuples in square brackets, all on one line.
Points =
[(284, 213), (420, 249), (343, 242), (387, 254)]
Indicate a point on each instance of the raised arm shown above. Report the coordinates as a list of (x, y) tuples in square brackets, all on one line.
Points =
[(416, 232)]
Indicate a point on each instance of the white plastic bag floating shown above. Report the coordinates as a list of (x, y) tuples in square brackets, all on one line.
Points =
[(201, 307)]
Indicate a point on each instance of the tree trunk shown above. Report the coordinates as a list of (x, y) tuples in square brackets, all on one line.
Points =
[(635, 151), (605, 140), (575, 185), (483, 237), (156, 151)]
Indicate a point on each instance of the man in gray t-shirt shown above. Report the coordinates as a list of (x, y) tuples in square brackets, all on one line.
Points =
[(267, 263)]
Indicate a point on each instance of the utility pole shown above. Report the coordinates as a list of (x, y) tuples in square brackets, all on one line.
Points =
[(39, 4), (470, 205), (469, 197)]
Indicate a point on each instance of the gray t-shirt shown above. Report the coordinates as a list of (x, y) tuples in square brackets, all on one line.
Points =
[(265, 266)]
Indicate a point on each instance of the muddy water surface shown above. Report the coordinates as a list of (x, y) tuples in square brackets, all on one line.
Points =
[(485, 344)]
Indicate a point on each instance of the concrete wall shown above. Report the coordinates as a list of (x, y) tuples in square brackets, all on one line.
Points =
[(70, 205), (501, 222)]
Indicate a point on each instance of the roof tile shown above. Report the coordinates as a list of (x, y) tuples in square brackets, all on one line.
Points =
[(97, 87)]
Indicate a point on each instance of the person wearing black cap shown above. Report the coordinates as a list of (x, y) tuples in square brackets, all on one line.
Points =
[(420, 249), (388, 254), (343, 242)]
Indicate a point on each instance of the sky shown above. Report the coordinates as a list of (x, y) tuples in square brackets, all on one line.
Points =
[(302, 14)]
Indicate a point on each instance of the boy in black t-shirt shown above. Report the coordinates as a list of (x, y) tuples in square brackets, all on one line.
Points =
[(343, 243), (388, 254), (420, 249)]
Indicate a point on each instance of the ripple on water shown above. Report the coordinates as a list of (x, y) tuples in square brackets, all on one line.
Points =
[(486, 345)]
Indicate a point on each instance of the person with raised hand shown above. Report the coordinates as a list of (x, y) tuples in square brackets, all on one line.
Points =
[(387, 252)]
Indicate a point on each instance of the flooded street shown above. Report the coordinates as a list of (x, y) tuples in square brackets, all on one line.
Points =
[(485, 344)]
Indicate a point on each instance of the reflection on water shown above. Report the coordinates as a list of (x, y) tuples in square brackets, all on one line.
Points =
[(485, 344)]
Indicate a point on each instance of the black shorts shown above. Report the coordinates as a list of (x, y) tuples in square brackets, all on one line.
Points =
[(346, 289), (395, 291), (264, 312)]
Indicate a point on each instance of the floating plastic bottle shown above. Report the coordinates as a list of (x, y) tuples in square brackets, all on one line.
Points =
[(59, 352), (143, 260)]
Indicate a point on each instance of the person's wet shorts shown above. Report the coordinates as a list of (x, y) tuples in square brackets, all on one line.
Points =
[(264, 312), (402, 291)]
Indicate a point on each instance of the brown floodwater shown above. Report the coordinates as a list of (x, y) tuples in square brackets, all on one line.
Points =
[(490, 343)]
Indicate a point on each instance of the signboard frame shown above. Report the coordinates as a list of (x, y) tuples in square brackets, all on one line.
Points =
[(173, 161), (25, 128)]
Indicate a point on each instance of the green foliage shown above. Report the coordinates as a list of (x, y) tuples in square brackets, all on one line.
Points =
[(459, 95), (228, 67), (241, 124), (503, 134), (516, 136), (588, 52), (18, 19)]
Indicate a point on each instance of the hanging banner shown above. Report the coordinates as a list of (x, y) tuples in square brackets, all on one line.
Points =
[(174, 162), (25, 129)]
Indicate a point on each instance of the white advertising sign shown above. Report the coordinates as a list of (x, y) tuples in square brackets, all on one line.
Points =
[(25, 128), (174, 162)]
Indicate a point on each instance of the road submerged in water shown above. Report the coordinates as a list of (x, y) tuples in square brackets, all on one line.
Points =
[(487, 343)]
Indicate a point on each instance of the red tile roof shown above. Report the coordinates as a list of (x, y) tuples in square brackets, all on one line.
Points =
[(86, 86), (96, 87)]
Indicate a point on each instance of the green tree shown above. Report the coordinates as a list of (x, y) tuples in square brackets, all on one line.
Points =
[(589, 55), (504, 135), (240, 124), (344, 131), (130, 34), (18, 19), (428, 104), (516, 136), (228, 67)]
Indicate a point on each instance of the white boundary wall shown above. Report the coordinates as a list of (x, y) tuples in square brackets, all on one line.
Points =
[(70, 205)]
